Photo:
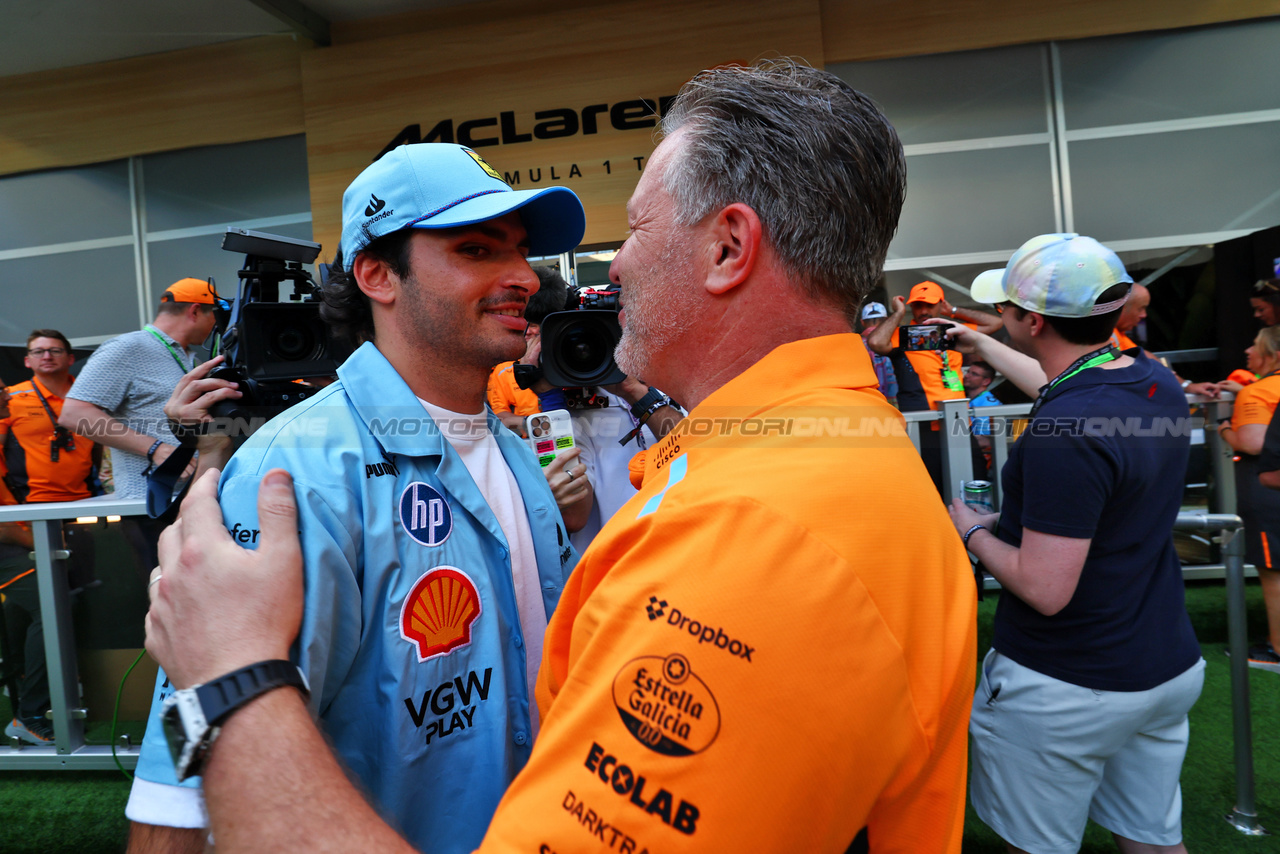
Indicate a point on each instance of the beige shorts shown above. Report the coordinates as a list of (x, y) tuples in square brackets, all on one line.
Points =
[(1048, 755)]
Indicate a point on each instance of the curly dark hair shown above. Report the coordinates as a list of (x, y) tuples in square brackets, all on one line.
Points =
[(553, 292), (344, 307)]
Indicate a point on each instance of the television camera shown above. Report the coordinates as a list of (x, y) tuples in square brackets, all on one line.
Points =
[(269, 342), (578, 343)]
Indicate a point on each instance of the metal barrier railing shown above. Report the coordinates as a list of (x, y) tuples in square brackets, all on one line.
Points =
[(1244, 816), (957, 462), (69, 750)]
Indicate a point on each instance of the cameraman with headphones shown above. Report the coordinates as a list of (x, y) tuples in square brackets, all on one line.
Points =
[(606, 419)]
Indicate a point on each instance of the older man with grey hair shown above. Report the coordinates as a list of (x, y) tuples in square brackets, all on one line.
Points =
[(729, 668)]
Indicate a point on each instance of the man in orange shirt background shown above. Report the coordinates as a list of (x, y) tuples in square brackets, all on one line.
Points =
[(42, 462), (729, 667)]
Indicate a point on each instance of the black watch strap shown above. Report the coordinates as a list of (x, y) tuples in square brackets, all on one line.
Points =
[(641, 406), (225, 694)]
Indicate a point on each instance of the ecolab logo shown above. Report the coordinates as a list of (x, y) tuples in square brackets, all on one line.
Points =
[(657, 608)]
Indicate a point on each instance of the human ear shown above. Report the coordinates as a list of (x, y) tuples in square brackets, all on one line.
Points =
[(736, 236), (375, 278)]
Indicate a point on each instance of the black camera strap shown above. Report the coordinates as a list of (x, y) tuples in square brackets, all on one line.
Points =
[(162, 479), (62, 437)]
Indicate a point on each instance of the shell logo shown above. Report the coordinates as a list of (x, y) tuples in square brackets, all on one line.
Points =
[(437, 614)]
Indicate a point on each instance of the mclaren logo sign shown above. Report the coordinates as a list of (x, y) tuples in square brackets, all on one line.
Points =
[(508, 128)]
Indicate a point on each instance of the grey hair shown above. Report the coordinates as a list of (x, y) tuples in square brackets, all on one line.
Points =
[(814, 158)]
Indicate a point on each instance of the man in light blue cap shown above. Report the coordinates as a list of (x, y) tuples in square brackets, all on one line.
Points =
[(434, 550), (1081, 711)]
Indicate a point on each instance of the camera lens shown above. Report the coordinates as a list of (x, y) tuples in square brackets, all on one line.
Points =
[(294, 343), (585, 348)]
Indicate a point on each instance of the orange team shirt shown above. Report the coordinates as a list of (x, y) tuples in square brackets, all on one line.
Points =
[(29, 424), (505, 396), (929, 365), (1122, 341), (1256, 402), (731, 668)]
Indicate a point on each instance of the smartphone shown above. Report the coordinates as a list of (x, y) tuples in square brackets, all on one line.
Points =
[(550, 434), (924, 336)]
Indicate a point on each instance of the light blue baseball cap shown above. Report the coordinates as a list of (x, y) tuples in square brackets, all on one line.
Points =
[(1061, 275), (441, 185)]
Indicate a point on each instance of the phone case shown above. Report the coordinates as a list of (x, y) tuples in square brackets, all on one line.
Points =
[(550, 434)]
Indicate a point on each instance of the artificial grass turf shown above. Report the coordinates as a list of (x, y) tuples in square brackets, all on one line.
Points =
[(83, 812)]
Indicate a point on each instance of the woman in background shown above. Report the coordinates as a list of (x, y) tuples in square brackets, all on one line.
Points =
[(1257, 505)]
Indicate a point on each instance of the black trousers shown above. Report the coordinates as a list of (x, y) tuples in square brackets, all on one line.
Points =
[(24, 629)]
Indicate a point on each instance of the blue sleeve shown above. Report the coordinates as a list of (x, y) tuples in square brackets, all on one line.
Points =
[(331, 622), (1068, 478)]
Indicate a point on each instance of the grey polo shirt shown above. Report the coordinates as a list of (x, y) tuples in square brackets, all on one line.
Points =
[(131, 377)]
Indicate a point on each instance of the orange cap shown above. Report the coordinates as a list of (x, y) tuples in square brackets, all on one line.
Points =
[(930, 292), (190, 290)]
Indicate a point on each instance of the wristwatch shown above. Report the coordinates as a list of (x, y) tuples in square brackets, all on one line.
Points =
[(652, 400), (193, 717)]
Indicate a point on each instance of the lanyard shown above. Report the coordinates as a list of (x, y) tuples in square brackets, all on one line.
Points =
[(169, 347), (1089, 360), (950, 376)]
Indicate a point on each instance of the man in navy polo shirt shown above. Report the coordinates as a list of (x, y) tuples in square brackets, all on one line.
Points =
[(1081, 712)]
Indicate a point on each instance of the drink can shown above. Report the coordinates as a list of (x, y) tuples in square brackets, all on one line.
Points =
[(978, 495)]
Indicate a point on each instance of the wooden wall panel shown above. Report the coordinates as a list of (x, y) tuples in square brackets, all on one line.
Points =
[(231, 92), (878, 29), (359, 95)]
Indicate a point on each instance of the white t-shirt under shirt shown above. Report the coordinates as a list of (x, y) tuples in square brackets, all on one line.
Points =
[(469, 435)]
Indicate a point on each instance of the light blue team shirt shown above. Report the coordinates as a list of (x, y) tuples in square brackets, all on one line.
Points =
[(981, 423), (410, 639)]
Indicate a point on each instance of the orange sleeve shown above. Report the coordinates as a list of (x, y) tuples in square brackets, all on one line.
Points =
[(1256, 403), (635, 468), (495, 391)]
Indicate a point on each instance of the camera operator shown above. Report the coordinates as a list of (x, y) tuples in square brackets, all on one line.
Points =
[(602, 417), (190, 404), (511, 402), (507, 398), (119, 397)]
